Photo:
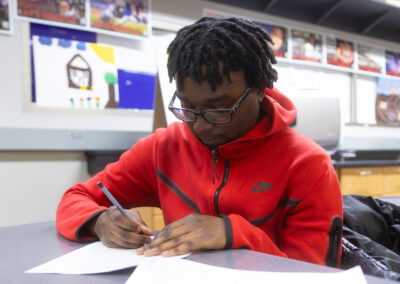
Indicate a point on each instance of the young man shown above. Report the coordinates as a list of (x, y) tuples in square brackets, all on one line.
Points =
[(232, 175)]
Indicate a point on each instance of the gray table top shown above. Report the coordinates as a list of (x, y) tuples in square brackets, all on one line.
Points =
[(26, 246)]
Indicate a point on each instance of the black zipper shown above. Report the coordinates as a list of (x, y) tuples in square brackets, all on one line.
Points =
[(214, 160), (224, 180), (334, 242), (338, 233)]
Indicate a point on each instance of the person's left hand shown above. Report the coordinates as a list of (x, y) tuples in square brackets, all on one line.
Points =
[(190, 233)]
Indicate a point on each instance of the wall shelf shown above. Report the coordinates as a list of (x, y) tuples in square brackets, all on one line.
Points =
[(371, 18)]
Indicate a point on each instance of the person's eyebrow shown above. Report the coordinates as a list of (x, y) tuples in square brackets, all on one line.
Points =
[(209, 100), (217, 98), (181, 98)]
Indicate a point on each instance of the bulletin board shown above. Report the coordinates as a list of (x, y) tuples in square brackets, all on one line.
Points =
[(27, 123)]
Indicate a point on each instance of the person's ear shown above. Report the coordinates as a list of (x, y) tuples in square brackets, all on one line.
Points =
[(260, 95)]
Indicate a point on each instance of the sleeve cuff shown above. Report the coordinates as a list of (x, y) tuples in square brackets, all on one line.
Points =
[(80, 238), (228, 232)]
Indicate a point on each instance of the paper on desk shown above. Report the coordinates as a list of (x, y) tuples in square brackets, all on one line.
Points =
[(94, 258), (179, 271)]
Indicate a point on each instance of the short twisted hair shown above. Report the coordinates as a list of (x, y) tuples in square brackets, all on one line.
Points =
[(235, 43)]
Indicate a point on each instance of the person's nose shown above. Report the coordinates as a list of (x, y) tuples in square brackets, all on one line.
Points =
[(201, 125)]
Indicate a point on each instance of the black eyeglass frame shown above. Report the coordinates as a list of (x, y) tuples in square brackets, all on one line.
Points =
[(231, 111)]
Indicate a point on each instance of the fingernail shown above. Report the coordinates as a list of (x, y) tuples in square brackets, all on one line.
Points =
[(149, 252), (140, 251), (167, 253)]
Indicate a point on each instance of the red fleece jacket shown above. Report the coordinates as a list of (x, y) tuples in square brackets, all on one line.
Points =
[(275, 188)]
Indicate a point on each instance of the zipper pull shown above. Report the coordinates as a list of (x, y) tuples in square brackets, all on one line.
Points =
[(214, 160)]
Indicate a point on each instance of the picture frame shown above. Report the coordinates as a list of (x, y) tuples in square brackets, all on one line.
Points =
[(6, 21)]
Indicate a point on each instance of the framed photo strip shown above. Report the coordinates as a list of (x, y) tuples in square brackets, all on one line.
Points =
[(123, 18)]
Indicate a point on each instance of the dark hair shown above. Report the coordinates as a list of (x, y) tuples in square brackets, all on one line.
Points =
[(237, 43)]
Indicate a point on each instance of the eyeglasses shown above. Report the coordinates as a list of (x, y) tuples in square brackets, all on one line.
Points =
[(216, 116)]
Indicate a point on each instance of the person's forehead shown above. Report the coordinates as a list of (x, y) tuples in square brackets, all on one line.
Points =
[(235, 78), (226, 90)]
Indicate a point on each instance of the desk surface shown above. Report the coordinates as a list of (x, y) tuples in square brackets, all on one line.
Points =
[(26, 246)]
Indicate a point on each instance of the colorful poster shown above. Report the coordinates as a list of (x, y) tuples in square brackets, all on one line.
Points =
[(5, 20), (370, 58), (83, 75), (279, 36), (72, 12), (392, 63), (339, 52), (306, 46), (387, 106), (124, 16)]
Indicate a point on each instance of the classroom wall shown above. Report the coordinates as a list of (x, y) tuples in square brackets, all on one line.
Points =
[(31, 183)]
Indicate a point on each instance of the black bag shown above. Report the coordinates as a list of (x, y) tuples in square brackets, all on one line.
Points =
[(371, 236)]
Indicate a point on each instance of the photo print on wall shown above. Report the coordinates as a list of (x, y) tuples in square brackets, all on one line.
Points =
[(370, 58), (340, 52), (124, 16), (392, 63), (279, 36), (387, 106), (5, 17), (306, 46), (72, 12)]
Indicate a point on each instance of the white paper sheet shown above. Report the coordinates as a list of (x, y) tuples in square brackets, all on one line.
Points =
[(94, 258), (180, 271)]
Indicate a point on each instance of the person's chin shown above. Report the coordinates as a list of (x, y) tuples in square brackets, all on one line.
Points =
[(212, 141)]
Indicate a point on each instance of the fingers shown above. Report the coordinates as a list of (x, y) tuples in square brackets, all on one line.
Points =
[(176, 229), (193, 232), (126, 239), (175, 246), (113, 236), (115, 230), (141, 250), (184, 248), (146, 230), (177, 238), (123, 222)]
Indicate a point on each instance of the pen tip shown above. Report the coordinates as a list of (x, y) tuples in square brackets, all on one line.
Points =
[(99, 184)]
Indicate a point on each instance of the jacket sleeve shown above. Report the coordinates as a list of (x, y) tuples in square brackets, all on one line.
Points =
[(131, 180), (311, 229)]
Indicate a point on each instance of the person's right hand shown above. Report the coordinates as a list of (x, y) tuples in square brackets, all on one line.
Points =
[(116, 231)]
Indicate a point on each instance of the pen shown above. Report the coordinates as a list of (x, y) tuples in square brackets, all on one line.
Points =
[(114, 201)]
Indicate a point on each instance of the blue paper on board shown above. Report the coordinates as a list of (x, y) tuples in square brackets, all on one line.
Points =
[(136, 90)]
